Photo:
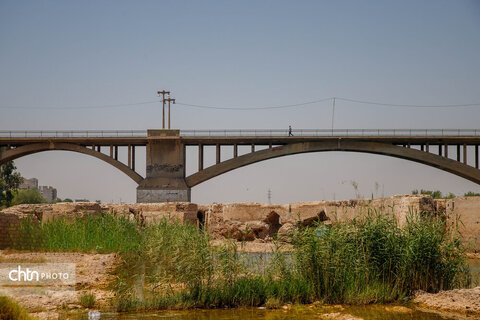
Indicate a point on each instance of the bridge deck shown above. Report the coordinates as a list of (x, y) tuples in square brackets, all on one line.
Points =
[(241, 140)]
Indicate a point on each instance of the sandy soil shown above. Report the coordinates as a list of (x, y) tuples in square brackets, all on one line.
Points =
[(465, 301), (92, 276), (472, 255)]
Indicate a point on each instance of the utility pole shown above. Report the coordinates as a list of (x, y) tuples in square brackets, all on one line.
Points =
[(169, 100), (333, 113), (163, 93)]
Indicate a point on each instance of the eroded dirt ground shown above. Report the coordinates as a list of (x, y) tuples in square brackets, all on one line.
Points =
[(92, 276)]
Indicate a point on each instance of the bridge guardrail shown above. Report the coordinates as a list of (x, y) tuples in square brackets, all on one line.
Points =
[(73, 133), (241, 133), (326, 132)]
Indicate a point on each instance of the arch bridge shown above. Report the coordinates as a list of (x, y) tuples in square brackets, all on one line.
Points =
[(454, 151)]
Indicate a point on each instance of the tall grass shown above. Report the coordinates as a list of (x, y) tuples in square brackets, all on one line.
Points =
[(171, 265), (11, 310), (372, 259), (105, 233)]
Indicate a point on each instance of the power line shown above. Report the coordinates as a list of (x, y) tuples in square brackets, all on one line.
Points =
[(82, 107), (302, 104), (410, 105), (254, 108), (333, 99)]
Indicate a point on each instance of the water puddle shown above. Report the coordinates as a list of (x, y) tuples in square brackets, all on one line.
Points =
[(340, 312), (375, 312)]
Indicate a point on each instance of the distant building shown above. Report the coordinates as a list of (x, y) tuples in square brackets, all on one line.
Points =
[(48, 193), (28, 184)]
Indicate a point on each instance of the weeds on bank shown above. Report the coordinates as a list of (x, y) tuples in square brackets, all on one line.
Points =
[(11, 310), (105, 233), (372, 259), (171, 265), (87, 300)]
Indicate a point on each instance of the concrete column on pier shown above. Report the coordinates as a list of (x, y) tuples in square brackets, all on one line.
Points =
[(446, 150), (476, 156), (200, 157), (111, 151), (116, 152), (130, 156), (439, 149), (218, 153), (235, 150), (165, 174), (253, 147), (133, 158), (458, 152), (427, 147)]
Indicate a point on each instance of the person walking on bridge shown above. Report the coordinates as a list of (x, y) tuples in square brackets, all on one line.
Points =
[(290, 134)]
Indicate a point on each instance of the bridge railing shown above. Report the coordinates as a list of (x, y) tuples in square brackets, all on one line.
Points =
[(326, 132), (242, 133), (73, 133)]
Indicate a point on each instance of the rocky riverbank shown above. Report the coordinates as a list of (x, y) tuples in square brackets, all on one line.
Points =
[(464, 301)]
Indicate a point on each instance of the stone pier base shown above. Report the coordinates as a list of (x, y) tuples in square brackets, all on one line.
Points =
[(156, 195), (153, 190)]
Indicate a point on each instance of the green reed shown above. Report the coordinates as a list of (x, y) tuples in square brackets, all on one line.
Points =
[(372, 259), (104, 233), (172, 265), (10, 309)]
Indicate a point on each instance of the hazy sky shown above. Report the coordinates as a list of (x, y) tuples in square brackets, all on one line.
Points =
[(69, 54)]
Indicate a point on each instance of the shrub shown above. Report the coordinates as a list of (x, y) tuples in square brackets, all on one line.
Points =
[(87, 300), (11, 310)]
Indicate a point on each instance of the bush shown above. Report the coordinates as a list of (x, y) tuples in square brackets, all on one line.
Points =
[(11, 310), (87, 300), (30, 196), (471, 194)]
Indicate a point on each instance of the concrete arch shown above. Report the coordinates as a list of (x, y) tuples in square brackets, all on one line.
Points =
[(12, 154), (386, 149)]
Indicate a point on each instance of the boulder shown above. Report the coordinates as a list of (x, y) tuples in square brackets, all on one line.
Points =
[(285, 231)]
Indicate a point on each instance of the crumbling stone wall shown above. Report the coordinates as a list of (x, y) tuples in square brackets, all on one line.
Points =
[(255, 221)]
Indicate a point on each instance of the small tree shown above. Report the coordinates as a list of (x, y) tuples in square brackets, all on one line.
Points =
[(10, 180), (30, 196)]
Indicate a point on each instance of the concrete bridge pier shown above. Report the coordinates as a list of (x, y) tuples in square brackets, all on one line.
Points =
[(165, 178)]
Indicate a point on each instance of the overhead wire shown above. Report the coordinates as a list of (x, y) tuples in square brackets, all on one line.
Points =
[(253, 108), (409, 105), (302, 104), (81, 107)]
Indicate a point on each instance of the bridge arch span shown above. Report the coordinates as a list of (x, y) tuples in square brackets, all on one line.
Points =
[(436, 161), (15, 153)]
